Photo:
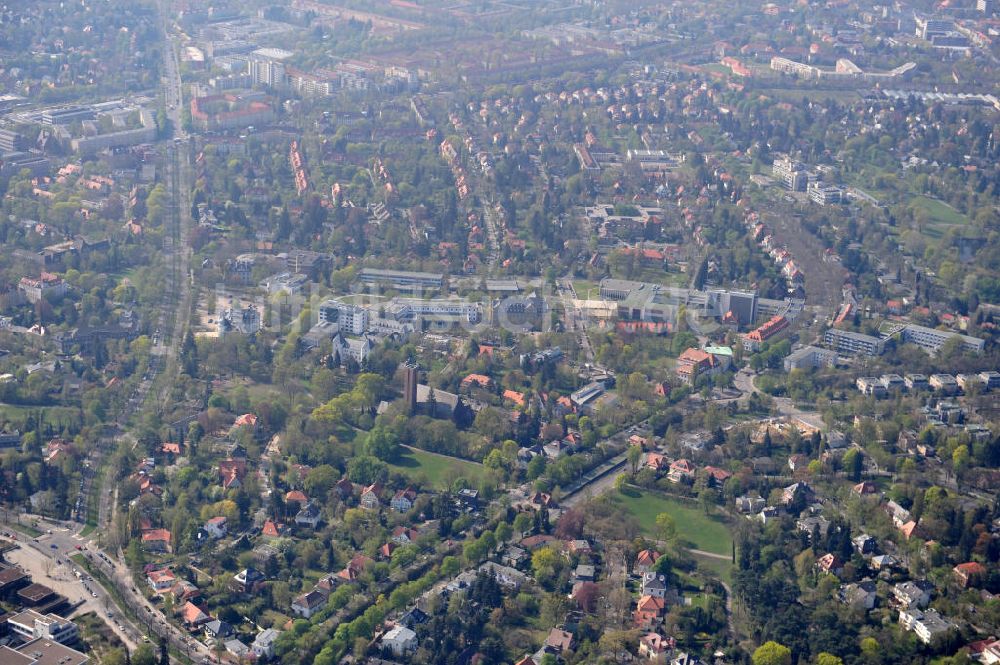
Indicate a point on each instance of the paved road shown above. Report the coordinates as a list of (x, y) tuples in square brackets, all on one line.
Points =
[(51, 566)]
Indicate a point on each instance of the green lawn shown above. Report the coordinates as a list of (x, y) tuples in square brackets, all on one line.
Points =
[(938, 211), (25, 529), (723, 569), (57, 416), (703, 532), (87, 530), (437, 471)]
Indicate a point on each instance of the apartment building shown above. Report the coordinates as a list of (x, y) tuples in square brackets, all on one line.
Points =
[(852, 343)]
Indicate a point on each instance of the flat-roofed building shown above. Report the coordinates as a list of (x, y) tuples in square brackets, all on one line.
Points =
[(915, 382), (808, 357), (30, 625), (48, 652), (931, 339), (853, 343), (402, 280), (945, 383)]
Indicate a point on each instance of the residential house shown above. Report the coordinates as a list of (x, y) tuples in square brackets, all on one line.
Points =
[(247, 581), (796, 492), (156, 540), (645, 561), (232, 471), (884, 562), (514, 556), (308, 603), (344, 488), (194, 616), (237, 650), (384, 553), (648, 612), (654, 585), (716, 477), (830, 563), (912, 594), (969, 574), (354, 568), (865, 488), (403, 500), (216, 527), (506, 576), (248, 422), (263, 644), (297, 497), (413, 617), (693, 363), (926, 624), (858, 594), (680, 471), (813, 524), (184, 591), (370, 496), (399, 641), (402, 535), (217, 629), (309, 515), (559, 641), (750, 504), (865, 544), (657, 462), (161, 580), (272, 530), (655, 647)]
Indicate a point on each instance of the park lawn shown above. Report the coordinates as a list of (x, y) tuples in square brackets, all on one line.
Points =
[(704, 532), (58, 416), (721, 568), (938, 211), (584, 287), (438, 471)]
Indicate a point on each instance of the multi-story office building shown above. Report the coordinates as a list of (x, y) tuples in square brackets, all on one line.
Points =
[(852, 343)]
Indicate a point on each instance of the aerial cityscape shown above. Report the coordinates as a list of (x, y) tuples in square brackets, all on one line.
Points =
[(499, 332)]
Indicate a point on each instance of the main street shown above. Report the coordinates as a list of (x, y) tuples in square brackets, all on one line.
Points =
[(51, 551)]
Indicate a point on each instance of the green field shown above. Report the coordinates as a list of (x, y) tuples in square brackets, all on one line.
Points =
[(57, 416), (939, 212), (941, 216), (437, 471), (701, 531)]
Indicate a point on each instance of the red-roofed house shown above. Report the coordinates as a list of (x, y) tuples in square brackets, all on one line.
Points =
[(480, 380), (250, 422), (717, 476), (694, 362), (156, 540), (648, 611), (657, 462), (969, 574), (194, 616), (297, 496), (645, 560), (273, 529), (680, 470), (161, 580), (515, 397), (232, 472), (370, 496), (654, 646)]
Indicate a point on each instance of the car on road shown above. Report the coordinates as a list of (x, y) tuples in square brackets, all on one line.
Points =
[(54, 546)]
